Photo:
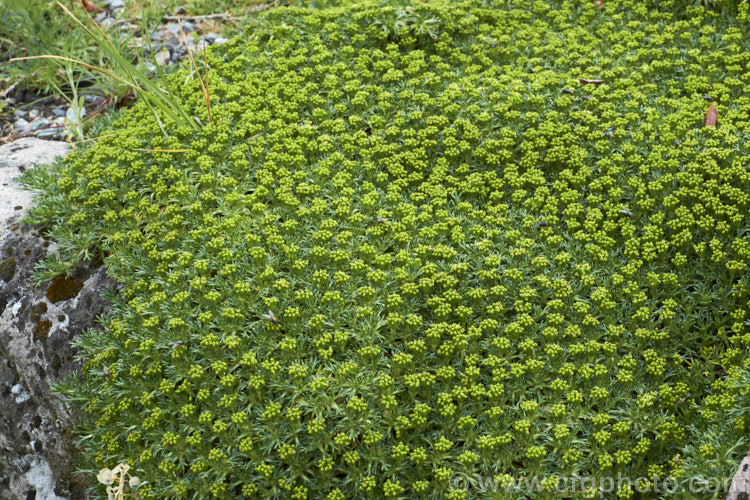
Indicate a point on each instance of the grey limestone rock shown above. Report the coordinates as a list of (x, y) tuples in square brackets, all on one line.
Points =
[(740, 487), (15, 157), (37, 324)]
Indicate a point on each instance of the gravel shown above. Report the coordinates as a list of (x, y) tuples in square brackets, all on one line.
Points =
[(174, 28)]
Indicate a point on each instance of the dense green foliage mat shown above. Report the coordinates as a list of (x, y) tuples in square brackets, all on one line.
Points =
[(412, 244)]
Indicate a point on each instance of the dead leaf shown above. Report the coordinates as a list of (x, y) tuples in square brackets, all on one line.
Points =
[(586, 81), (599, 4), (711, 116), (105, 476), (90, 7)]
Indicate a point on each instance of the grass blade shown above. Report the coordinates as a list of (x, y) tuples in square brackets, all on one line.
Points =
[(204, 90), (156, 96)]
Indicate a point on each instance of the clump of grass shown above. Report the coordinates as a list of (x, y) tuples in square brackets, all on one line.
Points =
[(28, 28), (419, 240), (33, 28), (154, 96)]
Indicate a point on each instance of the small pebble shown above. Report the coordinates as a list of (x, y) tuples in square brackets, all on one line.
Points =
[(162, 58), (174, 28), (40, 123), (19, 113), (198, 47), (70, 115), (172, 43), (92, 98), (49, 133), (178, 52), (33, 113), (20, 125), (59, 132), (220, 40), (58, 111)]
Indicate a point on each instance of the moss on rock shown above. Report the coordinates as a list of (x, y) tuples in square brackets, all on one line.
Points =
[(7, 269), (41, 330), (37, 311), (63, 288)]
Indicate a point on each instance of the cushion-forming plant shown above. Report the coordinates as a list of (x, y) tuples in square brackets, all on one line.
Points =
[(420, 241)]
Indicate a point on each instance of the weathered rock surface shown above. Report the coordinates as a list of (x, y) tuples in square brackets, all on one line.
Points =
[(37, 324), (740, 487), (15, 157)]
